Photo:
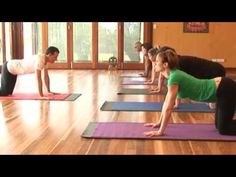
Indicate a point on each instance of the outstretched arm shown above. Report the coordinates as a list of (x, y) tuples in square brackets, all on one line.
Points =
[(146, 66), (47, 80), (39, 82), (177, 102), (153, 73), (160, 83), (166, 111), (151, 81)]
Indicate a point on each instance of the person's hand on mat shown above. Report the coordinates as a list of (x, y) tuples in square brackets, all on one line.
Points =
[(153, 133), (141, 74), (155, 90), (176, 106), (43, 97), (52, 93), (177, 102), (148, 82), (153, 125)]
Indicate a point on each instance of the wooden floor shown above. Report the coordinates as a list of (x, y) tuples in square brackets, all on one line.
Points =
[(55, 127)]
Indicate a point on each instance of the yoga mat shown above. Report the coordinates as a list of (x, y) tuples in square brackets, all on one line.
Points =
[(130, 75), (134, 130), (131, 91), (135, 82), (34, 96), (153, 106)]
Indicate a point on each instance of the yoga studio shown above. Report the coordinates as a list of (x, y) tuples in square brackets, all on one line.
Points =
[(117, 88)]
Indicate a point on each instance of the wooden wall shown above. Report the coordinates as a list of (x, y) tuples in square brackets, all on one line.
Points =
[(219, 43)]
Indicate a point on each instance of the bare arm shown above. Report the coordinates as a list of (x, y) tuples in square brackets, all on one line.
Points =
[(177, 102), (168, 107), (160, 83), (47, 80), (146, 66), (39, 82), (151, 81), (160, 80), (166, 111), (153, 73)]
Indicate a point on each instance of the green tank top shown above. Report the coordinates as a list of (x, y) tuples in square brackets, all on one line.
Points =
[(203, 90)]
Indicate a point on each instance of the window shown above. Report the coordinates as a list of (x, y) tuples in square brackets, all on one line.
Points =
[(7, 40), (37, 37), (57, 36), (82, 45), (82, 42), (107, 41), (32, 38), (27, 32), (133, 32)]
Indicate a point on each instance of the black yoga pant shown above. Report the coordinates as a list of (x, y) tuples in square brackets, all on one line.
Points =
[(225, 107), (8, 81)]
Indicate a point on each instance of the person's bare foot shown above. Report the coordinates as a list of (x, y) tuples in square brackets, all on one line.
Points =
[(155, 90), (148, 82), (212, 105)]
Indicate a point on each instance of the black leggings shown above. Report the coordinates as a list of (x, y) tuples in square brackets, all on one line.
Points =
[(225, 107), (8, 81)]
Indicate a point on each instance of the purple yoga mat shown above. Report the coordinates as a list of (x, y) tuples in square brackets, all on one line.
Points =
[(177, 131)]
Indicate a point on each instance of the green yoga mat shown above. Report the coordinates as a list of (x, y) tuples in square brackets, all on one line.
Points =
[(133, 91)]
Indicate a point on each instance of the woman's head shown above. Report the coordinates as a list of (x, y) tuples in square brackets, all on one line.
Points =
[(164, 48), (152, 53), (166, 60), (146, 47)]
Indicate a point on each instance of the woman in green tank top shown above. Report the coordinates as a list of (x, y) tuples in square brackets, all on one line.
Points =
[(182, 85), (195, 66)]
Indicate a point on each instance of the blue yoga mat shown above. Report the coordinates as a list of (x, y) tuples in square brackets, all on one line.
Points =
[(153, 106)]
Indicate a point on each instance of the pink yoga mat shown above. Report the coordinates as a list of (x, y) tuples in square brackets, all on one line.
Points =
[(34, 96)]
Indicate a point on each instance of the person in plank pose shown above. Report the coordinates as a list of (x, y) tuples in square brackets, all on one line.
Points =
[(33, 64)]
